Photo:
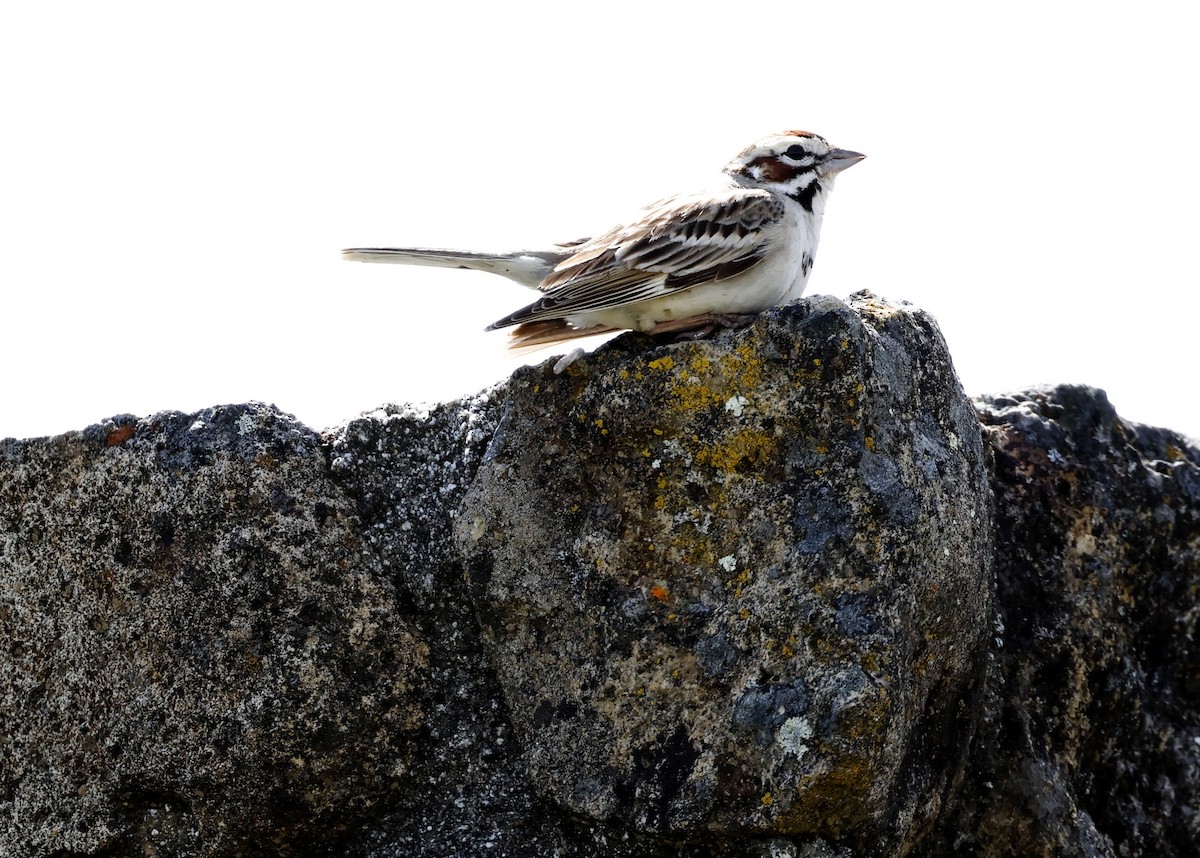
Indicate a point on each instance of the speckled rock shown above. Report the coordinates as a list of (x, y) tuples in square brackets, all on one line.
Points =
[(199, 657), (1091, 741), (739, 587), (722, 599)]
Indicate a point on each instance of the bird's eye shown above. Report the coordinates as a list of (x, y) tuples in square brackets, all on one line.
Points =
[(796, 152)]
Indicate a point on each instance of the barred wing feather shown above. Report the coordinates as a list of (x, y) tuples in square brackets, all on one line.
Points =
[(680, 242)]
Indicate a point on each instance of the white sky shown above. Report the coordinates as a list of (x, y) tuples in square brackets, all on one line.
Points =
[(176, 181)]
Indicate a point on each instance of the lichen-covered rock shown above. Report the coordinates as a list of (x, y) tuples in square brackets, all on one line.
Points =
[(721, 599), (1091, 741), (739, 587), (199, 657)]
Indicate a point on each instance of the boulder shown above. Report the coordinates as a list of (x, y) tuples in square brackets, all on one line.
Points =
[(738, 587), (200, 655), (1090, 744)]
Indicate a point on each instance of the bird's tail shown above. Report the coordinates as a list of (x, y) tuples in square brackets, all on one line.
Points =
[(527, 267), (531, 336)]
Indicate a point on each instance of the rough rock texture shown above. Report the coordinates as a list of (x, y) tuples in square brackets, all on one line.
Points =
[(724, 598), (1091, 743), (717, 607), (198, 652)]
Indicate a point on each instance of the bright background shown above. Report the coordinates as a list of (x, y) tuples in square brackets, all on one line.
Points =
[(176, 181)]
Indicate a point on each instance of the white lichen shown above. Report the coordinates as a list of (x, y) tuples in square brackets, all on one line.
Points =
[(792, 734), (736, 404)]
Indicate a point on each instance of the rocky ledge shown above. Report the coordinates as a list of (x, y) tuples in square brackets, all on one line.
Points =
[(783, 592)]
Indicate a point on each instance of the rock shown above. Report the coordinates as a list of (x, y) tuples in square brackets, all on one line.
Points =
[(1090, 744), (199, 655), (467, 792), (721, 599), (738, 587)]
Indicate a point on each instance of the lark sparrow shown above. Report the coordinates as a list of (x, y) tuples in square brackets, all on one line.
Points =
[(689, 262)]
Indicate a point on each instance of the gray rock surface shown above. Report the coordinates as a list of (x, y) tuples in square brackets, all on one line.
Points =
[(1091, 741), (199, 654), (732, 597)]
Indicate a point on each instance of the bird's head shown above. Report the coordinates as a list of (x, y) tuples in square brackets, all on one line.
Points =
[(797, 163)]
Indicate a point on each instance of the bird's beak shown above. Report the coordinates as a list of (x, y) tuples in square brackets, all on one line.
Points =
[(839, 159)]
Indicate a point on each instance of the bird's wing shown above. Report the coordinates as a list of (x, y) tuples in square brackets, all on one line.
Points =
[(679, 242)]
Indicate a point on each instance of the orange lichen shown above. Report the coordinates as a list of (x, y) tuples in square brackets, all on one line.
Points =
[(750, 444), (119, 435)]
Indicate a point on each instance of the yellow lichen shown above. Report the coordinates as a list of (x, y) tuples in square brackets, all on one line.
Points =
[(692, 395), (711, 381), (747, 366), (749, 444)]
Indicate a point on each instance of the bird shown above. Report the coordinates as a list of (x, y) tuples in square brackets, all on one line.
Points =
[(689, 264)]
